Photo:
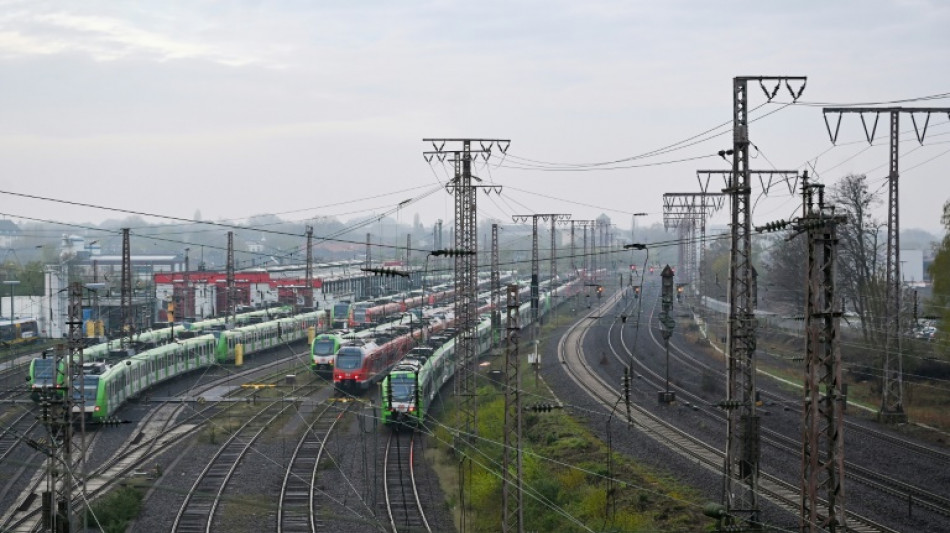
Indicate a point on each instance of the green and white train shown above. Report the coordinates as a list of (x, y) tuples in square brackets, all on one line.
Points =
[(42, 374), (107, 391), (409, 389)]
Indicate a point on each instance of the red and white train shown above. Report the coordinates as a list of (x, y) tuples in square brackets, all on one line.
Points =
[(359, 364)]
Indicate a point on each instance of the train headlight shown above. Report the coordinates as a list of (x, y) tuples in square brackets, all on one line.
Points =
[(96, 409)]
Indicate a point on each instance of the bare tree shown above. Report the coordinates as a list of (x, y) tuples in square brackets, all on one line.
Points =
[(861, 272), (784, 275)]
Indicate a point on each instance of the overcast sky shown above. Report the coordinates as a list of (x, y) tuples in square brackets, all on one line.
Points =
[(303, 108)]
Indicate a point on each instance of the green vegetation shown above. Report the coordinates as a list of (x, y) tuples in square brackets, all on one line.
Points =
[(113, 513), (566, 477)]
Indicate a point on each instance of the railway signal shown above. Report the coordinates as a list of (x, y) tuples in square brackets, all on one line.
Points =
[(667, 324)]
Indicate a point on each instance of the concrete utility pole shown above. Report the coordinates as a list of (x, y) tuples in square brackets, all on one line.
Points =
[(741, 466), (128, 321), (466, 280), (308, 295), (511, 492), (892, 399), (535, 273), (229, 294)]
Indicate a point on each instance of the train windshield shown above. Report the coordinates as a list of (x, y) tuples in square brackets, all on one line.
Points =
[(341, 310), (91, 386), (349, 359), (403, 388), (324, 347), (43, 371)]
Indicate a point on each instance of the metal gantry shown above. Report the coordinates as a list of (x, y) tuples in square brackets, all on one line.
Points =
[(535, 272), (585, 256), (683, 210), (892, 397), (511, 490), (741, 465)]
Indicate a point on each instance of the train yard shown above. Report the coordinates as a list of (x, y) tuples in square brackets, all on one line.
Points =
[(275, 446)]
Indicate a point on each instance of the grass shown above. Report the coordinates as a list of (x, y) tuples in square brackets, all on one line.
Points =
[(113, 512), (925, 401), (568, 485)]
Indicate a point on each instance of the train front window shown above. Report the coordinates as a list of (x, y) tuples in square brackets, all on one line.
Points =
[(349, 359), (403, 388), (91, 386), (43, 370), (323, 347)]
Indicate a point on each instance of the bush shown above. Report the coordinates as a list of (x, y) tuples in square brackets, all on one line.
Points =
[(113, 513)]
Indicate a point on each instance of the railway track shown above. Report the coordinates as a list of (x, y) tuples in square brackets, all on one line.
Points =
[(902, 491), (403, 505), (197, 512), (159, 430), (298, 510), (915, 496), (14, 430), (571, 356)]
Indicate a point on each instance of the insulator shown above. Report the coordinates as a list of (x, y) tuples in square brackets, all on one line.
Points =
[(730, 404)]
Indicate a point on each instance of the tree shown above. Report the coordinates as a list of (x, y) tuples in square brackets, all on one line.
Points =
[(940, 274), (782, 285), (861, 269)]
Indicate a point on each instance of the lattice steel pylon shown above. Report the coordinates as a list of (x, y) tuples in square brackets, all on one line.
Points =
[(128, 322), (823, 412), (573, 263), (229, 295), (585, 257), (466, 282), (741, 464), (685, 208), (368, 260), (56, 406), (511, 490), (495, 288), (892, 393), (535, 268), (308, 295)]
